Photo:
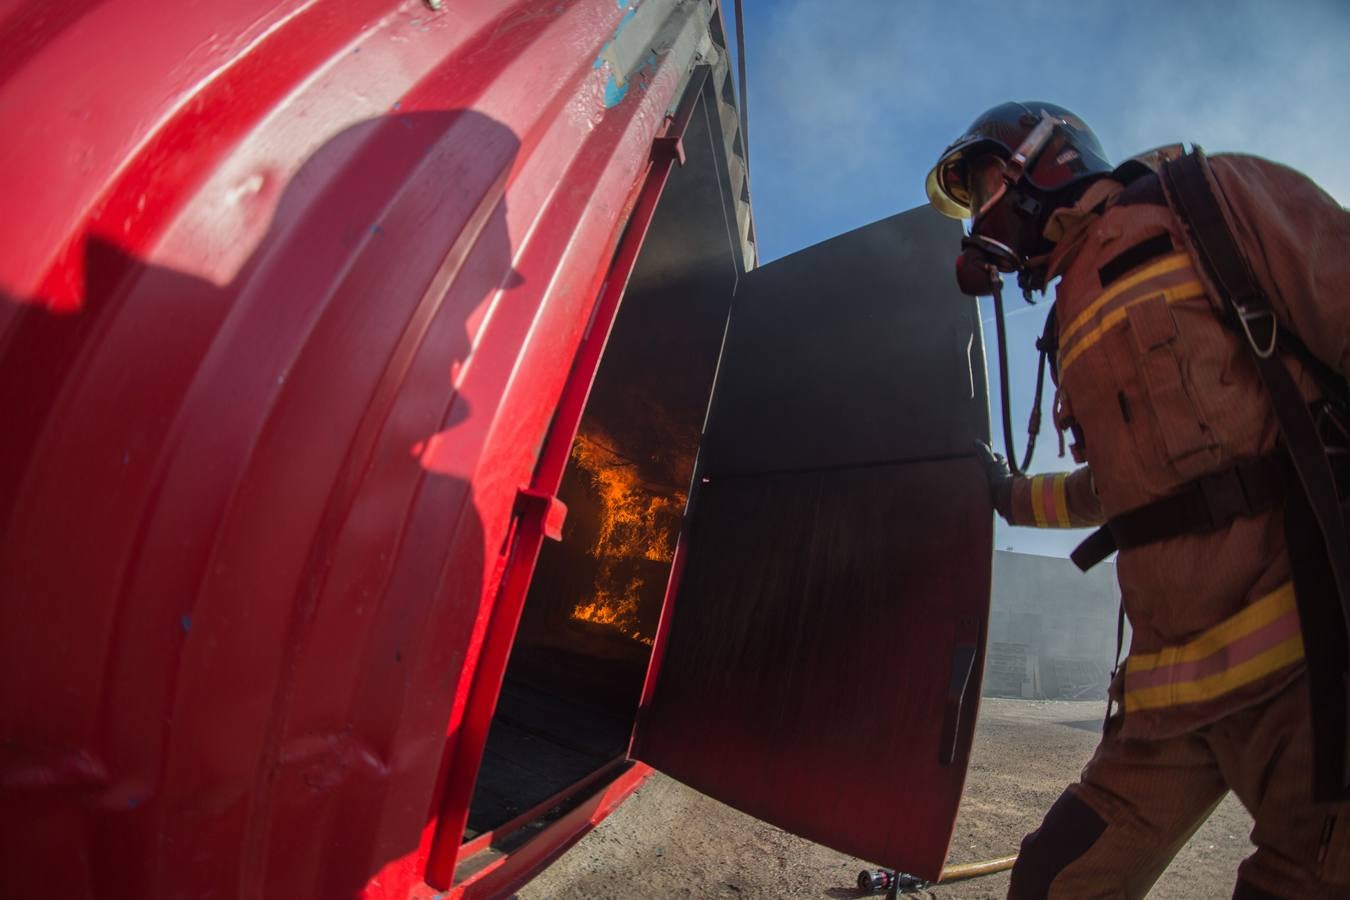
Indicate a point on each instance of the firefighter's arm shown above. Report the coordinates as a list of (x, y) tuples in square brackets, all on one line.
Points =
[(1054, 500), (1296, 238)]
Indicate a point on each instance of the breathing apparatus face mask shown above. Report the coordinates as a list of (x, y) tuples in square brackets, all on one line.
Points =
[(981, 178), (1004, 231), (1006, 212), (983, 255), (985, 182), (998, 230)]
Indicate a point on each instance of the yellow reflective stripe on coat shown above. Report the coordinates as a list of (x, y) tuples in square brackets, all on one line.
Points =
[(1049, 500), (1258, 641), (1070, 352), (1170, 263)]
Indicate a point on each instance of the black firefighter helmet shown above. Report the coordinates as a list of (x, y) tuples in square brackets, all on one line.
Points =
[(1012, 167), (1068, 154)]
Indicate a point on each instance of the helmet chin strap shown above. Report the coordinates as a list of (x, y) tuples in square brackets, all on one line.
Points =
[(1032, 275)]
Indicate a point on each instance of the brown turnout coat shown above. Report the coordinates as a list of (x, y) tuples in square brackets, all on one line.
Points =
[(1158, 392)]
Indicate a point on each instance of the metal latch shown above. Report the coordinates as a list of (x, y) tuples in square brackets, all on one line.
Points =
[(552, 511)]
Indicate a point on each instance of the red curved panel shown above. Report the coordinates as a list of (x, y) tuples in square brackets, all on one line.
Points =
[(289, 293)]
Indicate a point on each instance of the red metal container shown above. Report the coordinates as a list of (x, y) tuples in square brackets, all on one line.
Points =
[(300, 308)]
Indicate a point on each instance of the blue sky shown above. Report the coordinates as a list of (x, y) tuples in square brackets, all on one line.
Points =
[(851, 103)]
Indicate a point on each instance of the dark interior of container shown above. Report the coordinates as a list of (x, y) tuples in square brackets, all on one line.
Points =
[(577, 667)]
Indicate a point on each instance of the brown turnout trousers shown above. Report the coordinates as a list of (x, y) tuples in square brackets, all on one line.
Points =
[(1138, 801)]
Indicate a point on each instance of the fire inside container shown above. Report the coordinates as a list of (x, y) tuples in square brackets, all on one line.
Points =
[(584, 641), (635, 541)]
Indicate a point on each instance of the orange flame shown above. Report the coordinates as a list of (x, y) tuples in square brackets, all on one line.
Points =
[(636, 522)]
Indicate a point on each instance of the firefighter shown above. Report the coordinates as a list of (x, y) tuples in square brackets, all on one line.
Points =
[(1182, 454)]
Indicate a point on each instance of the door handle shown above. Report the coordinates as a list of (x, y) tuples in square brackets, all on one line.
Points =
[(958, 684), (963, 334)]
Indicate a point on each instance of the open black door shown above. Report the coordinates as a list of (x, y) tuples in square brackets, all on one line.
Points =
[(822, 665)]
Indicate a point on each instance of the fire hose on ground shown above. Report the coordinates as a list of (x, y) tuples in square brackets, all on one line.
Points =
[(874, 881)]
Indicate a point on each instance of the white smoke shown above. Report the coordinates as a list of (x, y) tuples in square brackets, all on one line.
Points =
[(851, 103)]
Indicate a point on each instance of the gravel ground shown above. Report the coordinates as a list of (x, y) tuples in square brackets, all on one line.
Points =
[(671, 841)]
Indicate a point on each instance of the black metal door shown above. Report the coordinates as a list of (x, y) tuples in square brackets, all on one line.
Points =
[(822, 665)]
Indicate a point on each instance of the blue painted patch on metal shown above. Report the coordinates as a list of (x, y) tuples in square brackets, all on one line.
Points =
[(186, 623), (614, 91)]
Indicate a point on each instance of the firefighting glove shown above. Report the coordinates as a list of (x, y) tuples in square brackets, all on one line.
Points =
[(1000, 479)]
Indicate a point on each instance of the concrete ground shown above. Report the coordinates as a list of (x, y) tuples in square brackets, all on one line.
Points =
[(671, 841)]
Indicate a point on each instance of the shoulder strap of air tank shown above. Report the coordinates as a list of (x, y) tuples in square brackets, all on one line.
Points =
[(1190, 188), (1190, 195), (1191, 192), (1048, 343)]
